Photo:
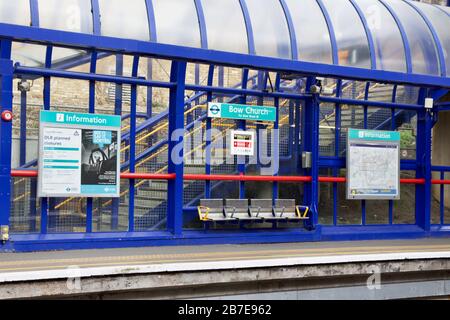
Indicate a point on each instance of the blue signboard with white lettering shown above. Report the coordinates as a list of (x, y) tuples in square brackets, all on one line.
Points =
[(241, 112)]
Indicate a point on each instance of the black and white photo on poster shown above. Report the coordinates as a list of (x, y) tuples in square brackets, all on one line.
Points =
[(99, 157)]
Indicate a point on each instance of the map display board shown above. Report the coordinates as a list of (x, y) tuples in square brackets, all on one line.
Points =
[(373, 164), (79, 155)]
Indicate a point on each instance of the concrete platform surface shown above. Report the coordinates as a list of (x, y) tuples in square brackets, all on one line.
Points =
[(320, 252), (299, 270)]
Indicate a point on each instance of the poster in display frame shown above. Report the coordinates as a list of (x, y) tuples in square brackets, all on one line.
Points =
[(79, 155)]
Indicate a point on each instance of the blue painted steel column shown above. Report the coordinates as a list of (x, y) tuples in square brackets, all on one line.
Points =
[(276, 138), (203, 37), (175, 150), (6, 98), (363, 202), (423, 159), (391, 202), (93, 69), (153, 38), (242, 126), (132, 166), (311, 144), (261, 85), (297, 132), (23, 128), (117, 111), (337, 139), (208, 128), (23, 156), (442, 200), (46, 203)]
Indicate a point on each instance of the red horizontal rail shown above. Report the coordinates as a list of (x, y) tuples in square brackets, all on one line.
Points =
[(24, 173), (440, 181), (143, 176), (333, 179), (148, 176), (203, 177), (218, 177), (412, 181)]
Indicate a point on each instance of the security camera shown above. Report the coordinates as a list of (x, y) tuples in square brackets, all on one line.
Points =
[(315, 89), (429, 103), (24, 86)]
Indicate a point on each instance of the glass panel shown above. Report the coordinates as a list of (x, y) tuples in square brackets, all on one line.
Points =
[(30, 55), (68, 15), (389, 49), (313, 44), (15, 12), (233, 38), (405, 208), (270, 28), (445, 9), (349, 211), (59, 55), (124, 19), (377, 212), (326, 199), (350, 34), (423, 49), (327, 128), (441, 22), (177, 22)]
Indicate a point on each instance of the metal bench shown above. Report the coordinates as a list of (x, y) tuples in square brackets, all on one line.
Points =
[(238, 209), (286, 209), (212, 210), (262, 208), (259, 210)]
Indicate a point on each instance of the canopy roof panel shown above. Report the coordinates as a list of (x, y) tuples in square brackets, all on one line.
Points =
[(391, 35)]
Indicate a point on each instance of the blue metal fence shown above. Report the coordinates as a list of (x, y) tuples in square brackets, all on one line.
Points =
[(355, 102)]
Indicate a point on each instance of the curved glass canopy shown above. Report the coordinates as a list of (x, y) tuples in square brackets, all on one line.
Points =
[(392, 35)]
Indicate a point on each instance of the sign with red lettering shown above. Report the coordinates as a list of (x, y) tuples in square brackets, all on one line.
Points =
[(242, 143)]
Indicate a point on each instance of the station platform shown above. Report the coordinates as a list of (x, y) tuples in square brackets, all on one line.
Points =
[(285, 271)]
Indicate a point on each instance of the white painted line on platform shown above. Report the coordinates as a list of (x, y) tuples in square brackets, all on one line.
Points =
[(212, 266)]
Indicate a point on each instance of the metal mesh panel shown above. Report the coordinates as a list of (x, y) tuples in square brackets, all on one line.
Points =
[(66, 215), (111, 214), (25, 209), (353, 89), (381, 92), (327, 128), (407, 94), (349, 212), (150, 205), (404, 209), (377, 212), (326, 199), (436, 200), (351, 117)]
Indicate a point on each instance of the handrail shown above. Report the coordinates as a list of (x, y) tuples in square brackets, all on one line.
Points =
[(221, 177)]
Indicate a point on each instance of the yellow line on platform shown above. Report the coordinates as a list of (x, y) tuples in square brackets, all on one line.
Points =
[(170, 261), (208, 256)]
